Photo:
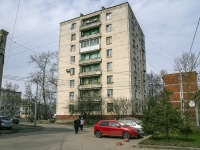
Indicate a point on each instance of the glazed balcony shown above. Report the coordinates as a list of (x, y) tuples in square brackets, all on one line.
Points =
[(90, 73), (90, 48), (90, 61), (90, 36), (89, 25), (90, 86)]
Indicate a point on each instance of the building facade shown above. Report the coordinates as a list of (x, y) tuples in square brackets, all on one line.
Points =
[(103, 53), (3, 37), (184, 87)]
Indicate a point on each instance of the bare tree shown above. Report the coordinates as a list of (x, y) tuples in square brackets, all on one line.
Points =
[(188, 62), (122, 107), (44, 63)]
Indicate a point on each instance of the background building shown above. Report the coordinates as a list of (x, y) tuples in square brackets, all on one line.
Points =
[(102, 53), (3, 37), (184, 87)]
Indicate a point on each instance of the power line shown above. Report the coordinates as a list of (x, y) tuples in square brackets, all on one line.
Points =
[(194, 36)]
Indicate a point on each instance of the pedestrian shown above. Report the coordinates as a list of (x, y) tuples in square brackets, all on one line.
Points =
[(81, 123), (76, 125)]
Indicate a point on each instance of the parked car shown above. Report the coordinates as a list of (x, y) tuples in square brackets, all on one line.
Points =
[(14, 119), (133, 122), (5, 122), (114, 128)]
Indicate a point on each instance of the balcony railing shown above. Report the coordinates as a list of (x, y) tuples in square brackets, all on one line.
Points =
[(91, 73), (90, 48), (90, 25), (90, 86), (90, 61), (90, 36)]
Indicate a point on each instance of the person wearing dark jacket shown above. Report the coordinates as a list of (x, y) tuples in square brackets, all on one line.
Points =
[(76, 125)]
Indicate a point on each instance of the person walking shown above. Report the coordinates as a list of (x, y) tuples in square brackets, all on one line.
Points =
[(81, 123), (76, 124)]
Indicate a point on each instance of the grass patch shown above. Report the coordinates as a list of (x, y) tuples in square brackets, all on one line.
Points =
[(175, 140)]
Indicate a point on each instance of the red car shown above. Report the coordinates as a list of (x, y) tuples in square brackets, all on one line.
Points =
[(114, 128)]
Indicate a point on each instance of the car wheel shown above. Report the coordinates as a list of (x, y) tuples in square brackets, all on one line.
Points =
[(126, 135), (98, 134)]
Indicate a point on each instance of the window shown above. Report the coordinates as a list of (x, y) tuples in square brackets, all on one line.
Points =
[(72, 59), (109, 28), (104, 123), (71, 82), (73, 48), (109, 66), (110, 92), (109, 107), (109, 40), (73, 26), (72, 71), (71, 108), (71, 95), (73, 37), (109, 79), (108, 16), (109, 52)]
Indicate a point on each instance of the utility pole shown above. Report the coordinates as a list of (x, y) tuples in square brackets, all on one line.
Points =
[(181, 94), (35, 117)]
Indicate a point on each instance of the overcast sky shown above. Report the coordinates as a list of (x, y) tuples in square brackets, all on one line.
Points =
[(168, 25)]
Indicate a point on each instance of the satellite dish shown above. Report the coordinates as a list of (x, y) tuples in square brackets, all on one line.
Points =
[(191, 103)]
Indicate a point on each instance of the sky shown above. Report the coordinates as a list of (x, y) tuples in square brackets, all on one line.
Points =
[(169, 27)]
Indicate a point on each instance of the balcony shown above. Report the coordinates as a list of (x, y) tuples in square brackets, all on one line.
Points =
[(90, 61), (90, 25), (90, 48), (90, 36), (89, 74), (90, 86)]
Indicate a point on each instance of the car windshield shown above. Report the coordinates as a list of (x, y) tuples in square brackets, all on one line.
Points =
[(5, 118), (130, 122)]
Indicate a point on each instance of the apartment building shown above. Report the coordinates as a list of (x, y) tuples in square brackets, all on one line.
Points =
[(103, 53), (184, 87)]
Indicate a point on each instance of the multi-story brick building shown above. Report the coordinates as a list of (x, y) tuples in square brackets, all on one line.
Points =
[(104, 53), (184, 87)]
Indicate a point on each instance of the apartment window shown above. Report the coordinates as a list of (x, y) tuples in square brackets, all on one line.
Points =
[(72, 59), (73, 26), (109, 52), (109, 79), (109, 40), (71, 108), (71, 82), (73, 48), (71, 95), (110, 92), (109, 28), (73, 37), (72, 71), (109, 107), (109, 66), (108, 16)]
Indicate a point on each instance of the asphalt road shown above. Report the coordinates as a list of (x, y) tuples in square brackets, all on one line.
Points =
[(62, 137)]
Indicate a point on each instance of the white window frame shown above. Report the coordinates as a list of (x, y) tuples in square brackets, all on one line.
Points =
[(72, 71), (109, 28), (71, 95), (110, 92), (109, 53), (73, 26), (71, 82), (109, 66), (73, 48), (108, 40), (108, 16), (73, 37), (109, 79), (72, 59)]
